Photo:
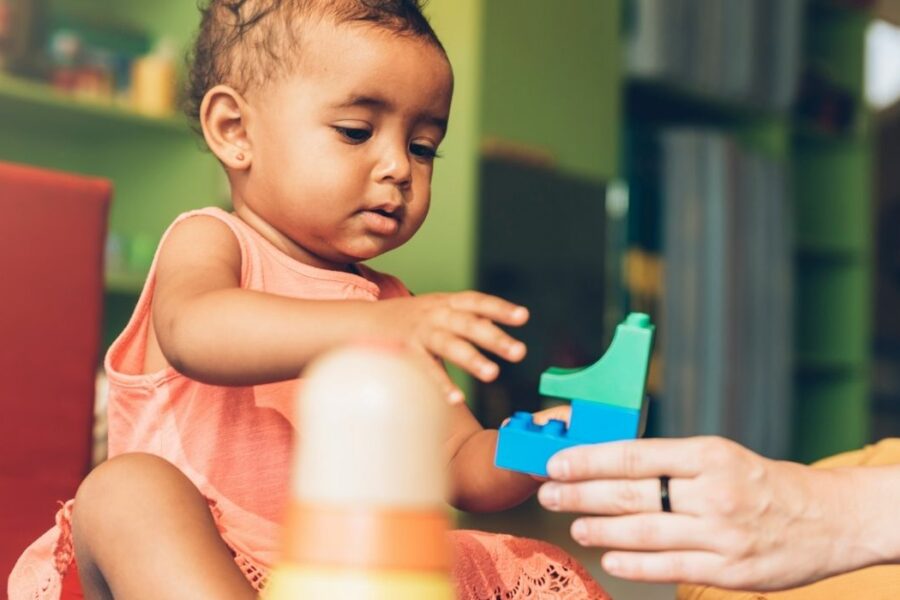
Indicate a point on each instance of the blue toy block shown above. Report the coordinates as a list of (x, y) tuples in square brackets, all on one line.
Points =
[(607, 402), (525, 446), (592, 422)]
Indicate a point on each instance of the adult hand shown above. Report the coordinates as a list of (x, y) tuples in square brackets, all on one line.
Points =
[(737, 520), (453, 327)]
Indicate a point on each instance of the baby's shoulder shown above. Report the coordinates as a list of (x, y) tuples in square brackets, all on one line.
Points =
[(199, 237), (204, 222), (211, 216)]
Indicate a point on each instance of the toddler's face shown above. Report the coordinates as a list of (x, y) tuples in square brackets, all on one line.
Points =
[(343, 149)]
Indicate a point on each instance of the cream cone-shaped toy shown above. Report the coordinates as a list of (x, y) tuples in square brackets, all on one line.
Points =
[(367, 518)]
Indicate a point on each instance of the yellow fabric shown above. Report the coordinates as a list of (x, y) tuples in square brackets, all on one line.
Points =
[(873, 583), (289, 582)]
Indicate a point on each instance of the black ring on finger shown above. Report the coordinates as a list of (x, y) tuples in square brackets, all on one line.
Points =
[(664, 494)]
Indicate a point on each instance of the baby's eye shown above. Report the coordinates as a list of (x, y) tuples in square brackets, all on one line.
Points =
[(423, 151), (354, 134)]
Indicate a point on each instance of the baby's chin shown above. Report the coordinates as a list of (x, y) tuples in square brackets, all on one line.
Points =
[(371, 248)]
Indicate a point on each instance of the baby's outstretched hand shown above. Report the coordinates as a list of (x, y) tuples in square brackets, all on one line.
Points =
[(456, 327)]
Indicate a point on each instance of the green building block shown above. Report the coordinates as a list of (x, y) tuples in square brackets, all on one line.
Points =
[(618, 378)]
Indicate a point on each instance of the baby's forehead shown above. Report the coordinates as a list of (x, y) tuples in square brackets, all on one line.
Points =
[(323, 46), (368, 60), (327, 44)]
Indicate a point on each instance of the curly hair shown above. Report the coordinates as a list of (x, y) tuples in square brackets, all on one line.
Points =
[(244, 43)]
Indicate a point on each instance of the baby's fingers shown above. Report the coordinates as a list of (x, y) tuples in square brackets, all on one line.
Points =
[(481, 332), (490, 307), (562, 412), (449, 389), (460, 352)]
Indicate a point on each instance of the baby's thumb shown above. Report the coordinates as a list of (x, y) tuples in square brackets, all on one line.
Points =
[(561, 413), (449, 389)]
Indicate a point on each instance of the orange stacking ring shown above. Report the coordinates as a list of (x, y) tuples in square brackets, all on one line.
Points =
[(366, 538)]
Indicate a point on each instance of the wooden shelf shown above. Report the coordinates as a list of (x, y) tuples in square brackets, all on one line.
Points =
[(840, 8), (38, 106), (664, 103), (819, 366), (806, 132), (816, 251), (666, 100)]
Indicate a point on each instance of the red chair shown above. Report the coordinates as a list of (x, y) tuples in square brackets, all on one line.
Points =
[(52, 236)]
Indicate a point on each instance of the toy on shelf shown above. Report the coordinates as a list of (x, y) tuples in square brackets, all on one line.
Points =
[(607, 402), (367, 516)]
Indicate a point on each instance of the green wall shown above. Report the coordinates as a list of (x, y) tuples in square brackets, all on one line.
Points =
[(552, 80), (442, 255)]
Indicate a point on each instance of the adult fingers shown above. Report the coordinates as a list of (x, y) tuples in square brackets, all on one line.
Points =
[(647, 532), (492, 307), (623, 496), (637, 459), (666, 567)]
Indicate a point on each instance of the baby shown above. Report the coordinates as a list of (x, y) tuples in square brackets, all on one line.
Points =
[(327, 117)]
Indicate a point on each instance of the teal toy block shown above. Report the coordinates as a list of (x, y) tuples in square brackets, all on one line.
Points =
[(525, 446), (607, 402), (618, 378)]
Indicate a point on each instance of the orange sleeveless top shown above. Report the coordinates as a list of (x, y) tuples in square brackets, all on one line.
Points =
[(233, 443)]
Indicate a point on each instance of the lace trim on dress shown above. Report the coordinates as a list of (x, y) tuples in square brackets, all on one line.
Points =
[(64, 550), (503, 567), (257, 575), (50, 577)]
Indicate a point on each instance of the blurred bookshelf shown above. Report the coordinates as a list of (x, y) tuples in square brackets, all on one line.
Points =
[(69, 102), (39, 106), (886, 375), (833, 204), (765, 334)]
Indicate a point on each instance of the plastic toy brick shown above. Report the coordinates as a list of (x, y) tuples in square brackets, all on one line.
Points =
[(525, 446), (592, 422), (620, 375), (607, 403)]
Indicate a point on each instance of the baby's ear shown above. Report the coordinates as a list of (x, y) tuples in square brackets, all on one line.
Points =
[(224, 128)]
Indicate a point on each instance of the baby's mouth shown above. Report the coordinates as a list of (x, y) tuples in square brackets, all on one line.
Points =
[(394, 212), (382, 221), (386, 213)]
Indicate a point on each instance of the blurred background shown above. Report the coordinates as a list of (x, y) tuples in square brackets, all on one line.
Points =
[(731, 167)]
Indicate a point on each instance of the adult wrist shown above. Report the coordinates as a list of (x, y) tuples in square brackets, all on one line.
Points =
[(866, 515)]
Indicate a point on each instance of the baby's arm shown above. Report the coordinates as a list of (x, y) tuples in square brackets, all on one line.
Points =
[(476, 485), (210, 329), (213, 331)]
